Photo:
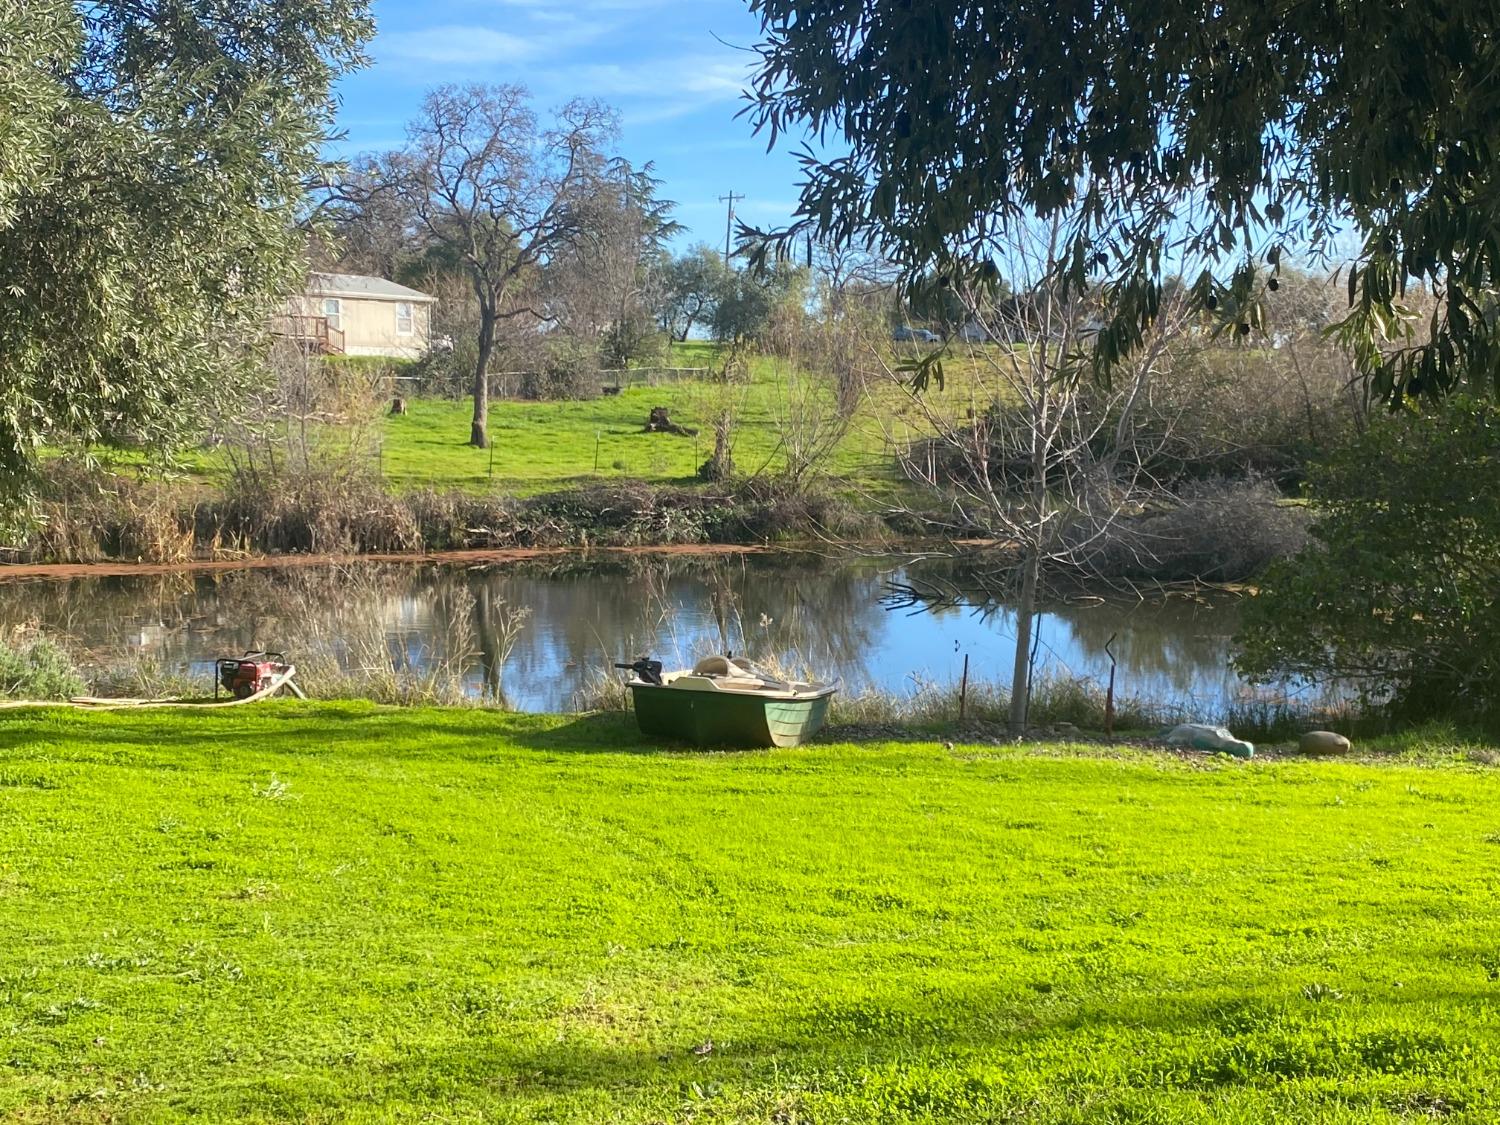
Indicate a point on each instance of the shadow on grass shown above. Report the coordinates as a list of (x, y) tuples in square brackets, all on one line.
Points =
[(329, 729), (924, 1049), (459, 733)]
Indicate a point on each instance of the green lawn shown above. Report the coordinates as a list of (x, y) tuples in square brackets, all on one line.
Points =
[(318, 912), (539, 446), (545, 446)]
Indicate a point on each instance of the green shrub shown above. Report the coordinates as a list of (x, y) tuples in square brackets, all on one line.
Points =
[(1396, 592), (37, 668)]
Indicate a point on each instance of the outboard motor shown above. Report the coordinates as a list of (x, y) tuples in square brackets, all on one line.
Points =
[(646, 670)]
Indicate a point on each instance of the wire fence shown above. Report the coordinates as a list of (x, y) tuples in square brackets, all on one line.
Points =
[(510, 384)]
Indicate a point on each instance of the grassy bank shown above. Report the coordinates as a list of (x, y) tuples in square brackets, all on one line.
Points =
[(326, 912), (323, 467), (541, 446)]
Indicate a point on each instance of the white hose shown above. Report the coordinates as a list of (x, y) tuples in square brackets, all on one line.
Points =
[(278, 681)]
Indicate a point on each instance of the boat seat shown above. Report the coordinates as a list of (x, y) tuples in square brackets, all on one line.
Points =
[(717, 665)]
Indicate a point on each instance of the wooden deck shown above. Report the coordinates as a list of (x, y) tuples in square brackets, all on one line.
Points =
[(312, 334)]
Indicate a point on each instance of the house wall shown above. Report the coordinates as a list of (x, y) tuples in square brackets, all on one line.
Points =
[(370, 326)]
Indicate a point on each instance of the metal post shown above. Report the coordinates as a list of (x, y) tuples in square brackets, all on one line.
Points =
[(963, 690), (1109, 698)]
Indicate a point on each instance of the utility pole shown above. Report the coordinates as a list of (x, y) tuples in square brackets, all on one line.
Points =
[(729, 220)]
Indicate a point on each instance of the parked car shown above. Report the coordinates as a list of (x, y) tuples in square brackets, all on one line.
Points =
[(907, 334)]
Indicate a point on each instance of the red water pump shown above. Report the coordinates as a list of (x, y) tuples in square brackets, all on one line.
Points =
[(249, 675)]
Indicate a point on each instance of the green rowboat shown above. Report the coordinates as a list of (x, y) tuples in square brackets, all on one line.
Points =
[(723, 703)]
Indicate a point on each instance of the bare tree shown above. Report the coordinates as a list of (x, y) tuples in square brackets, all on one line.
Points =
[(1045, 459), (372, 229), (302, 422), (824, 367), (482, 177), (852, 278), (720, 399)]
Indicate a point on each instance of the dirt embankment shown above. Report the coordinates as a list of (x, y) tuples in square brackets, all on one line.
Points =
[(481, 557)]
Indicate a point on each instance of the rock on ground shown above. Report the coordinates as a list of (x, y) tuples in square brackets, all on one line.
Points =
[(1323, 742)]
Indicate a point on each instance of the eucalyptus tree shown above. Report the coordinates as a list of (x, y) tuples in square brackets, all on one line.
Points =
[(153, 161), (482, 176), (1223, 140)]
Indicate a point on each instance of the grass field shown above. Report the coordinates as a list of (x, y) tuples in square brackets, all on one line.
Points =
[(550, 445), (545, 445), (320, 913)]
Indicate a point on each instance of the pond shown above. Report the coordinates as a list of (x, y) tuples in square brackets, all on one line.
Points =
[(579, 614)]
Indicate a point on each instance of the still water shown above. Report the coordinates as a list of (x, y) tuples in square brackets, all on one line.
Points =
[(828, 616)]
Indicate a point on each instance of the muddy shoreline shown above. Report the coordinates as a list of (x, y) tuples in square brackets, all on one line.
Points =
[(476, 556), (14, 572)]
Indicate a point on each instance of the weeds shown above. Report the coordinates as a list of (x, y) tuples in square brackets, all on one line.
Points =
[(313, 513), (1054, 701), (273, 790), (34, 667), (605, 690)]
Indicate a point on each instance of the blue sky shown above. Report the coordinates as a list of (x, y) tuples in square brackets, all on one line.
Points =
[(673, 68)]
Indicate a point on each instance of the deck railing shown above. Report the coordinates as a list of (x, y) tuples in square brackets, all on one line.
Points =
[(311, 333)]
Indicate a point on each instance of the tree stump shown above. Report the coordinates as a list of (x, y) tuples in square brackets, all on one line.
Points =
[(659, 423), (720, 466), (398, 405)]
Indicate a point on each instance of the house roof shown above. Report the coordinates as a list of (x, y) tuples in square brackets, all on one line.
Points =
[(358, 285)]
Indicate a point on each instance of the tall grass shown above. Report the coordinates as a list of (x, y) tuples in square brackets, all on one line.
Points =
[(1056, 702), (335, 627), (315, 513), (1082, 704)]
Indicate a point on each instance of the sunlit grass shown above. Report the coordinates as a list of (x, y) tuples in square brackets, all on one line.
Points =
[(543, 446), (341, 912)]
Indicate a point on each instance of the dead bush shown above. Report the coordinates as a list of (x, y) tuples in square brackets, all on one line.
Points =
[(1220, 531), (311, 515)]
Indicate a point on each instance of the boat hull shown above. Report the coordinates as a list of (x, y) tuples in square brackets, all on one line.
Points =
[(722, 718)]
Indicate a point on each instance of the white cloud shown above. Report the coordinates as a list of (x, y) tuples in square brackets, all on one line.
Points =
[(455, 45), (712, 77), (658, 89)]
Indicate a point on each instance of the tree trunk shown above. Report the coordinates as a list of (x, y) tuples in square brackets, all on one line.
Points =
[(1041, 424), (721, 465), (1020, 678), (489, 649), (479, 435)]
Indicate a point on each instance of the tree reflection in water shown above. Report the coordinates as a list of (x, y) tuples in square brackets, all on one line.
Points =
[(799, 611)]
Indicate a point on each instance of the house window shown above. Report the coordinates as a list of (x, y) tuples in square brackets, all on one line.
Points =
[(333, 312), (405, 324)]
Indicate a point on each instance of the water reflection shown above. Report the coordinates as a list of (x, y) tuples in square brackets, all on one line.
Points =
[(800, 611)]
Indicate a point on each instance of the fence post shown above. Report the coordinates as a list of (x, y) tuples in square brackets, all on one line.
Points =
[(963, 690)]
